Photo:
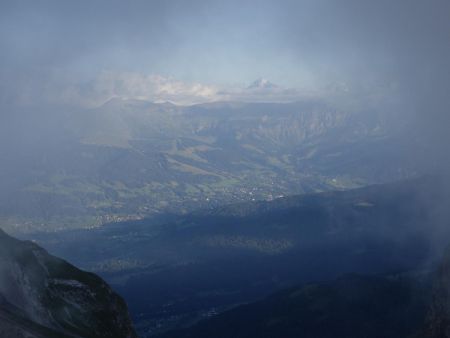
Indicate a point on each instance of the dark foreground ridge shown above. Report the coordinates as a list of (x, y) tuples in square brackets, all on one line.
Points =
[(44, 296), (409, 305)]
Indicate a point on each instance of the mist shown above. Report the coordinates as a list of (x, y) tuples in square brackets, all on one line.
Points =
[(204, 154)]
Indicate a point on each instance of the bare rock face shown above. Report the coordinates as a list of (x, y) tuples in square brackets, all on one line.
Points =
[(44, 296)]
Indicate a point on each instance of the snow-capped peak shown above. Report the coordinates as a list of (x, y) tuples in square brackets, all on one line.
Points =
[(262, 84)]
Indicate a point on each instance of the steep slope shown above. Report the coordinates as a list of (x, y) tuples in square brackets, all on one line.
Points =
[(43, 296)]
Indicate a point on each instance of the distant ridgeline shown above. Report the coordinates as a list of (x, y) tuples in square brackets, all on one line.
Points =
[(42, 296)]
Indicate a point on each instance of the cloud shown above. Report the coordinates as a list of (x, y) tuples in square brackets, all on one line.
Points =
[(131, 85), (263, 90), (157, 88)]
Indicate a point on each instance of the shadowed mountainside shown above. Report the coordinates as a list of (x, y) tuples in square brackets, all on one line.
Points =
[(413, 305), (352, 306), (43, 296)]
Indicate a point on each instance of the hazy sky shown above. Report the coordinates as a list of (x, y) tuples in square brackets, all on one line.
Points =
[(89, 51), (206, 41)]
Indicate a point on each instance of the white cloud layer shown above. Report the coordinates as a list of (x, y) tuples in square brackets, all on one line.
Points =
[(125, 85), (157, 88)]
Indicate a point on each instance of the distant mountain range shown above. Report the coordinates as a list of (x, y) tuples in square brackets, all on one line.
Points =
[(130, 159)]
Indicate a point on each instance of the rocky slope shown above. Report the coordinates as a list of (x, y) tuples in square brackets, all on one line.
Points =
[(43, 296)]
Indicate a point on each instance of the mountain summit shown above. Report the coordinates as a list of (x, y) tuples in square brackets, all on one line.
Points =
[(262, 83)]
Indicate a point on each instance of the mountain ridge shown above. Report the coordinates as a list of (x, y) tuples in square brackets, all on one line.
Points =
[(415, 304), (46, 296)]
